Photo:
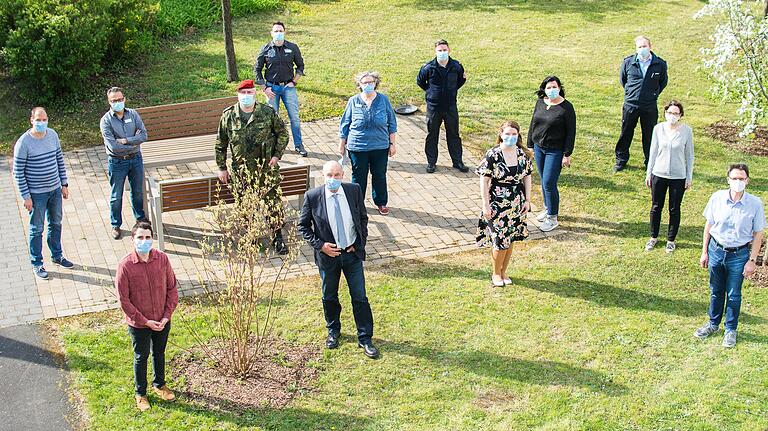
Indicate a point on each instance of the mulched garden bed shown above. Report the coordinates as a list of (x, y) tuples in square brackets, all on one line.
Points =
[(284, 372), (729, 133)]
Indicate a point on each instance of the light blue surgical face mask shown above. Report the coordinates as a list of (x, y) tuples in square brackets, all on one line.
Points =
[(40, 126), (643, 52), (368, 88), (441, 55), (509, 140), (278, 36), (247, 100), (117, 106), (143, 246), (552, 93), (332, 183)]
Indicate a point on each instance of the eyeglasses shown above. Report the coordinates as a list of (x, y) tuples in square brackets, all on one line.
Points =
[(367, 82)]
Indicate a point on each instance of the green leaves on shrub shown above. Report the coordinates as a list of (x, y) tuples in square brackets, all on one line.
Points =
[(53, 47)]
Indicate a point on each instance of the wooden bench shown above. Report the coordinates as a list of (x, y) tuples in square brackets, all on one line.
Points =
[(199, 192), (182, 132)]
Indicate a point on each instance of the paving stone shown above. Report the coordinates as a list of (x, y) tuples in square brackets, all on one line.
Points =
[(431, 214)]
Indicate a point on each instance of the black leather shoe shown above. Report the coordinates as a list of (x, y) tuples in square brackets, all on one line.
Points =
[(332, 341), (430, 169), (279, 245), (302, 152), (461, 167), (369, 349)]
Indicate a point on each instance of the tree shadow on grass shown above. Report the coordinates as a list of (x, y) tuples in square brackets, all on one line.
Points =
[(605, 295), (619, 297), (286, 419), (493, 365)]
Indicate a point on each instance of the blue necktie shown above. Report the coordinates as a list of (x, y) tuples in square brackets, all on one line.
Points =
[(340, 231)]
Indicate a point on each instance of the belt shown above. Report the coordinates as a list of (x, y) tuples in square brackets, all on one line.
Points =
[(279, 83), (730, 249), (128, 157)]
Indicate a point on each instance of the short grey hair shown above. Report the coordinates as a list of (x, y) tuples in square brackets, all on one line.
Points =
[(375, 75), (641, 37), (114, 90)]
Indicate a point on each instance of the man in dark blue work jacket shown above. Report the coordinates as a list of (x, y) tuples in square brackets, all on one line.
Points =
[(441, 78), (643, 76)]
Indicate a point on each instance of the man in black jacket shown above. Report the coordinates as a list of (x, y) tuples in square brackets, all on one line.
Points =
[(335, 223), (441, 79), (274, 71), (643, 76)]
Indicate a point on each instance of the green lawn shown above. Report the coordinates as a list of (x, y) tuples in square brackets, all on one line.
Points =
[(594, 335)]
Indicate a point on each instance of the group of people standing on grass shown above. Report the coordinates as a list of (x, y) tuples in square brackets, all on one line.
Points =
[(334, 219)]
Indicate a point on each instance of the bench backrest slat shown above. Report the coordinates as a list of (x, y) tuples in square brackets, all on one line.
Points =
[(184, 119), (201, 192)]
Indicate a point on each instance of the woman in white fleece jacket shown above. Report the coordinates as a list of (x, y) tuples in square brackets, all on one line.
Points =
[(670, 168)]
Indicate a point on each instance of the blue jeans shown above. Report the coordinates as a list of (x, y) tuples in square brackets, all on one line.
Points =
[(352, 266), (45, 204), (725, 278), (549, 163), (291, 102), (374, 162), (118, 171)]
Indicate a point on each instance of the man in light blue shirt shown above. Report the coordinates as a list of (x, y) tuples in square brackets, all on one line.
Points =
[(123, 133), (732, 238)]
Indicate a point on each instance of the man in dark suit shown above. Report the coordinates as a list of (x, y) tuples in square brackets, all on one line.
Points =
[(335, 223)]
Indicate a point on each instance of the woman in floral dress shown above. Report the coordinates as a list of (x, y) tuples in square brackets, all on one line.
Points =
[(505, 189)]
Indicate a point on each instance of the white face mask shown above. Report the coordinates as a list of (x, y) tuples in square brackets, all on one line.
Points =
[(737, 186), (672, 118)]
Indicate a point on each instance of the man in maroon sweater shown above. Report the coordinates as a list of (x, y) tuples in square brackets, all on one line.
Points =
[(146, 285)]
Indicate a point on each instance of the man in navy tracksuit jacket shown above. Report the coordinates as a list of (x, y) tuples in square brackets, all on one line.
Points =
[(441, 79), (643, 76)]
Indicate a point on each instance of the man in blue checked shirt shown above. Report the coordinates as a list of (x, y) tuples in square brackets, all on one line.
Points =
[(732, 238), (41, 178), (123, 133)]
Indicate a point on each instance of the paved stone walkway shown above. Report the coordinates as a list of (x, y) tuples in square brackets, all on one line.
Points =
[(430, 214)]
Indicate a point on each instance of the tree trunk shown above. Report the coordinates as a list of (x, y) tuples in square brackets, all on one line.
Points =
[(229, 45)]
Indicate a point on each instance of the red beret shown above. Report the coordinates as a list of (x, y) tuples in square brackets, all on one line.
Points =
[(246, 83)]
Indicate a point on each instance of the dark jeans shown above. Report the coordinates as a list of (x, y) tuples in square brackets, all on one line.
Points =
[(450, 117), (45, 205), (119, 170), (725, 278), (352, 267), (648, 117), (659, 187), (549, 163), (374, 162), (143, 340)]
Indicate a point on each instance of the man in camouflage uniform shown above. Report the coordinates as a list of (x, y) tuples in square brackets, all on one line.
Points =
[(257, 138)]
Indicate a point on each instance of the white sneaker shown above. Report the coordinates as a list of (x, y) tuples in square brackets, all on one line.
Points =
[(542, 216), (548, 224), (650, 244)]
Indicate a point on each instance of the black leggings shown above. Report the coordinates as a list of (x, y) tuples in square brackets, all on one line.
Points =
[(659, 188)]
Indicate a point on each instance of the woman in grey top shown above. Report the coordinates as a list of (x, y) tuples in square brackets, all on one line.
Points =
[(670, 167)]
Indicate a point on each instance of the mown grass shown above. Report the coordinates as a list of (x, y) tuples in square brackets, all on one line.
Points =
[(594, 335)]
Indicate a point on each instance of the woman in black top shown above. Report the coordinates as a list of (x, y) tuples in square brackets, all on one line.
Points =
[(551, 135)]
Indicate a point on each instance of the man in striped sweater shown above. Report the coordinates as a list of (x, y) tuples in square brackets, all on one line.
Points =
[(38, 168)]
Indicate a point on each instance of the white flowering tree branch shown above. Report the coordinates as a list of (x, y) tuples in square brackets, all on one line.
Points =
[(738, 59)]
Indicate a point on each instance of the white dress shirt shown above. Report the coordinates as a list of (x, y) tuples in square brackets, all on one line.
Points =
[(346, 214)]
